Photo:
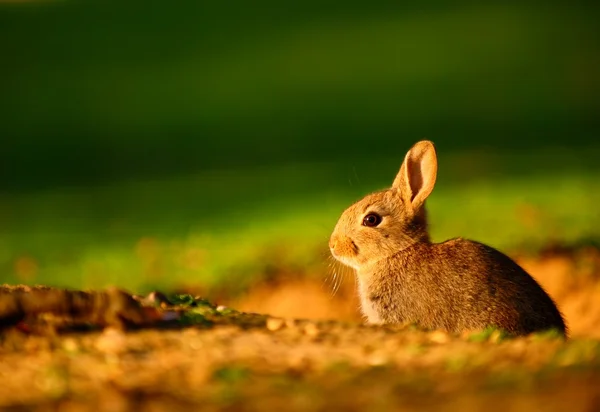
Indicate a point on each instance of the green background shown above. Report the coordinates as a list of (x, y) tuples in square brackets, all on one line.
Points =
[(161, 144)]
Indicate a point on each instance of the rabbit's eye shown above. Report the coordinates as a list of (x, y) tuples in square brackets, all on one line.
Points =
[(371, 220)]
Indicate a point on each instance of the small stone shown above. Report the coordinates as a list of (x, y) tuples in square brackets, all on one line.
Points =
[(311, 330), (439, 337), (70, 345), (157, 298), (170, 315), (377, 358), (221, 308), (274, 324), (111, 341)]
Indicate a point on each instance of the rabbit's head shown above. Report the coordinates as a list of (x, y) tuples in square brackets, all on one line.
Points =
[(386, 222)]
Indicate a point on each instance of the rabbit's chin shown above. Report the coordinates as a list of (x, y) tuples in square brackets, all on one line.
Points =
[(346, 261)]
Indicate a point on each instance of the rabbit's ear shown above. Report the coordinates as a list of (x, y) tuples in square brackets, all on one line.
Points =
[(416, 177)]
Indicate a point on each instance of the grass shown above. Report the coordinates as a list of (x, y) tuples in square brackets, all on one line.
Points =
[(231, 229)]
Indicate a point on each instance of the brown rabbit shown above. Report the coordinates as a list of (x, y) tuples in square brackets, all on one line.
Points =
[(456, 285)]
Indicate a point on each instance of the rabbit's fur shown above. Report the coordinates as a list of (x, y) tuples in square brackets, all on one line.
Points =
[(456, 285)]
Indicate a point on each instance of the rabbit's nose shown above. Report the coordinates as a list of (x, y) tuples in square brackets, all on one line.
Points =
[(332, 243)]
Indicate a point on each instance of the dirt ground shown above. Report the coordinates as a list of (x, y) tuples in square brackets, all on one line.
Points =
[(225, 360)]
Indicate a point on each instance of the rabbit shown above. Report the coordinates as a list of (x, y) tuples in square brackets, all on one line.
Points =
[(458, 285)]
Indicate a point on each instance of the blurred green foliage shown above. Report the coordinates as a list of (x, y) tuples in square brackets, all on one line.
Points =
[(95, 90), (155, 143)]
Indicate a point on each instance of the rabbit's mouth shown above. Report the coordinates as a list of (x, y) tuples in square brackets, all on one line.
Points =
[(344, 249), (346, 260)]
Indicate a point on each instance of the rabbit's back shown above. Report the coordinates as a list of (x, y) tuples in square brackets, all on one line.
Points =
[(457, 285)]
